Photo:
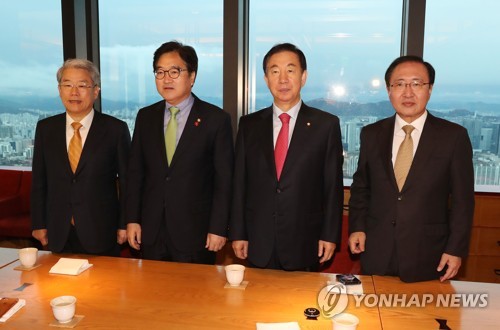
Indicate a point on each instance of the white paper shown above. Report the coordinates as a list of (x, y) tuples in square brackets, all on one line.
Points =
[(20, 303), (278, 326), (70, 266)]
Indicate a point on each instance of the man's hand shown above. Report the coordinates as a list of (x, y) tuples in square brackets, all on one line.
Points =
[(41, 235), (453, 263), (240, 249), (121, 236), (357, 242), (325, 250), (215, 242), (134, 235)]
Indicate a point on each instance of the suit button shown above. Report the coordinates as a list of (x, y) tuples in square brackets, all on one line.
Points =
[(400, 197), (278, 190), (393, 222), (74, 180), (167, 178)]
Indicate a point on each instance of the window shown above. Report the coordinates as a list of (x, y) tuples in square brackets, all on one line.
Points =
[(31, 41), (464, 48), (131, 32), (348, 46)]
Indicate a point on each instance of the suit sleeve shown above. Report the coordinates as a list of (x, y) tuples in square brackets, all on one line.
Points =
[(135, 176), (237, 228), (462, 197), (360, 190), (123, 149), (39, 183), (223, 157), (334, 186)]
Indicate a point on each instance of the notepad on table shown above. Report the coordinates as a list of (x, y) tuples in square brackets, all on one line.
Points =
[(70, 266), (9, 306)]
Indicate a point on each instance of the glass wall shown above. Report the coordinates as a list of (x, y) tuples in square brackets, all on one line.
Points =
[(131, 31), (464, 49), (348, 46), (31, 53)]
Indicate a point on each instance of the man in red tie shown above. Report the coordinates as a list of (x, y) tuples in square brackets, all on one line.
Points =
[(288, 192)]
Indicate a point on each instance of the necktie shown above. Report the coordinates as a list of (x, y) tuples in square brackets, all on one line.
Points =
[(404, 158), (75, 146), (281, 147), (171, 133)]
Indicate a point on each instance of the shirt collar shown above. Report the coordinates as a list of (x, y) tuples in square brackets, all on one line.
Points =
[(186, 103), (86, 121), (417, 123), (293, 112)]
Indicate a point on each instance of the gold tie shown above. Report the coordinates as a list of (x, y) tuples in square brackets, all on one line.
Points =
[(75, 146), (171, 133), (404, 158)]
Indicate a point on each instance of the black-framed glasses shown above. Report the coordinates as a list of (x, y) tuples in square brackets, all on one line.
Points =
[(82, 86), (415, 85), (173, 73)]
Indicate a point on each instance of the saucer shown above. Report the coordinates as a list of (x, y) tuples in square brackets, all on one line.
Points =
[(242, 286), (22, 268), (71, 324)]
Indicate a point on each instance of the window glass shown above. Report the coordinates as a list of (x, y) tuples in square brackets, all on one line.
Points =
[(464, 49), (131, 31), (31, 53), (348, 46)]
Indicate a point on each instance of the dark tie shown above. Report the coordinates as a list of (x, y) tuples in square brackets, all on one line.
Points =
[(171, 133), (404, 158), (75, 146), (281, 147)]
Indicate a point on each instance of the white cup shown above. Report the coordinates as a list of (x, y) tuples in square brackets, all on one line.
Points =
[(28, 256), (63, 308), (234, 274), (345, 321)]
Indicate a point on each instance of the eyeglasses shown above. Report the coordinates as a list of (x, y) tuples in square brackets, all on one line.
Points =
[(173, 73), (415, 85), (80, 86)]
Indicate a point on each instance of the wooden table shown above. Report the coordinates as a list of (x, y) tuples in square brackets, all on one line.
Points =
[(414, 317), (120, 293), (8, 256)]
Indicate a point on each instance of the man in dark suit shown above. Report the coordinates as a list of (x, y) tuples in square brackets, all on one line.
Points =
[(287, 201), (417, 225), (179, 180), (75, 204)]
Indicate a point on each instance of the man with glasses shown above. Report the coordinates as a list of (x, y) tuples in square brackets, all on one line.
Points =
[(412, 196), (180, 168), (79, 155)]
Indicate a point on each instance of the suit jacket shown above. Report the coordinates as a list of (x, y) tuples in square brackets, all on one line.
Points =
[(90, 195), (305, 206), (432, 214), (192, 194)]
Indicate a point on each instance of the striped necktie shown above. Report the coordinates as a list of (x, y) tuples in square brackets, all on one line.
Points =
[(404, 158)]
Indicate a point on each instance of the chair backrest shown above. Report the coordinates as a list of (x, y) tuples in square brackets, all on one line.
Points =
[(10, 181)]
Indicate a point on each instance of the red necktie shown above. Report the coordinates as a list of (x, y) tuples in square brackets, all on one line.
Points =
[(281, 144)]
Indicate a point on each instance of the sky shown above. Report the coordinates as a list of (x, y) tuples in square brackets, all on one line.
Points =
[(348, 45)]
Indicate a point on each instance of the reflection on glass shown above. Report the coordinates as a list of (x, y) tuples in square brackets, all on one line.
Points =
[(128, 80), (348, 46), (464, 48), (31, 53)]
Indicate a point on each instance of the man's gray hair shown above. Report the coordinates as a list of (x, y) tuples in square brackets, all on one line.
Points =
[(79, 63)]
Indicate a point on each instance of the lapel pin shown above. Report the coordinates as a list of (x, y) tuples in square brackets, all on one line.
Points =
[(308, 124), (197, 122)]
